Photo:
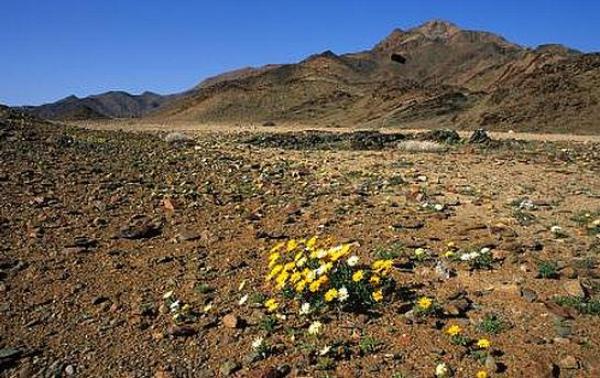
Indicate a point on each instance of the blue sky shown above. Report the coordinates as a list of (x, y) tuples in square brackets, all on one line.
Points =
[(51, 49)]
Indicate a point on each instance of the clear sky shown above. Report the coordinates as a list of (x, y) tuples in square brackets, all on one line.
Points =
[(54, 48)]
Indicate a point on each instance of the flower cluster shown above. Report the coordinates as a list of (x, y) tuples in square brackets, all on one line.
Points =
[(316, 275)]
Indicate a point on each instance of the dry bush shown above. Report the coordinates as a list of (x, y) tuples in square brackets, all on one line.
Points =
[(421, 146)]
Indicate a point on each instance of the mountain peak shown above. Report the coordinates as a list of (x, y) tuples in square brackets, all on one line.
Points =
[(437, 29)]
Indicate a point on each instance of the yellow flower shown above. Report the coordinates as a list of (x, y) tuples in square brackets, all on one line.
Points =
[(281, 279), (481, 374), (298, 256), (358, 275), (377, 295), (424, 303), (451, 244), (309, 275), (484, 343), (449, 254), (375, 280), (277, 247), (295, 277), (289, 266), (330, 295), (314, 286), (276, 269), (453, 330), (300, 263), (300, 286), (291, 245), (271, 305), (310, 244), (382, 266)]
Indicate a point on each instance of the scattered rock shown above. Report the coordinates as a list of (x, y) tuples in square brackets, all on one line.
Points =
[(228, 368), (529, 295), (141, 227), (569, 362), (182, 331), (232, 321), (490, 364), (479, 136), (573, 288)]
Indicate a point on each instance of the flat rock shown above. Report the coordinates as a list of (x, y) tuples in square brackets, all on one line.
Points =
[(573, 288)]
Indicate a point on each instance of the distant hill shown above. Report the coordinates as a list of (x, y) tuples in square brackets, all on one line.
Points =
[(106, 105), (432, 75)]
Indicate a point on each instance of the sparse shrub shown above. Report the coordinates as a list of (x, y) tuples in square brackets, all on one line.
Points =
[(268, 324), (176, 137), (547, 269), (421, 146), (492, 324), (589, 307), (368, 345)]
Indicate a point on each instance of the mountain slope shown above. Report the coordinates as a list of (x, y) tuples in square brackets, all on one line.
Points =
[(106, 105), (433, 75)]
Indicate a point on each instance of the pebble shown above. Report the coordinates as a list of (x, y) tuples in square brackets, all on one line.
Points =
[(490, 364), (569, 362), (231, 321), (70, 370), (574, 288), (228, 368)]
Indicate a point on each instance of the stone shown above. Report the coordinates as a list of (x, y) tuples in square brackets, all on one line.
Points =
[(573, 288), (227, 368), (69, 370), (182, 331), (140, 227), (271, 372), (490, 364), (529, 295), (569, 272), (231, 321), (457, 307), (479, 136), (569, 362)]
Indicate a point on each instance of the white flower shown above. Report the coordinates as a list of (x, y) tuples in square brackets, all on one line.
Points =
[(280, 316), (311, 276), (315, 328), (242, 285), (555, 229), (343, 294), (438, 207), (469, 256), (243, 300), (322, 253), (441, 370), (352, 260), (322, 270), (175, 306), (258, 343), (325, 350), (207, 308), (168, 294), (419, 252), (305, 308), (485, 250)]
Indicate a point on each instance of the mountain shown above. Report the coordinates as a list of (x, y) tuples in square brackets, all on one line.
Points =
[(113, 104), (433, 75)]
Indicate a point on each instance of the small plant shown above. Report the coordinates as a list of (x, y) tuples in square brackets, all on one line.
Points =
[(325, 363), (524, 218), (478, 259), (261, 348), (425, 306), (368, 345), (203, 288), (589, 307), (547, 269), (456, 336), (268, 323), (482, 350), (492, 324)]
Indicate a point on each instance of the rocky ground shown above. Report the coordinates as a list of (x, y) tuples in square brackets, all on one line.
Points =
[(99, 227)]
